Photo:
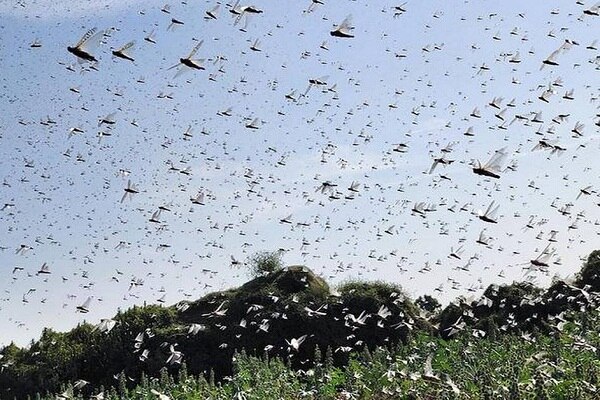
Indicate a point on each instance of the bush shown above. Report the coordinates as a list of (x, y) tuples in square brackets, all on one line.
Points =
[(590, 272), (265, 262), (379, 291), (428, 303)]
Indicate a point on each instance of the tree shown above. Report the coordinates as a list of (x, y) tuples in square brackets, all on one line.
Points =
[(428, 303), (590, 273), (265, 262)]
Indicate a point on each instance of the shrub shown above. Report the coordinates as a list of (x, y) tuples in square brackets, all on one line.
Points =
[(265, 262), (590, 272), (428, 303)]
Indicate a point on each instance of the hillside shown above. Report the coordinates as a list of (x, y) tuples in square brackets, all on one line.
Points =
[(332, 338)]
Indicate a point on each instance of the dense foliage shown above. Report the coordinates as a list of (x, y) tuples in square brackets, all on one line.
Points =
[(264, 263), (284, 335), (562, 366)]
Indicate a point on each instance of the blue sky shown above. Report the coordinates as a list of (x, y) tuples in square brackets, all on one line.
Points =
[(414, 79)]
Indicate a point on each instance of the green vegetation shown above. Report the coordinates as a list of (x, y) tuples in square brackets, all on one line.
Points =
[(264, 263), (562, 366), (590, 273), (366, 341)]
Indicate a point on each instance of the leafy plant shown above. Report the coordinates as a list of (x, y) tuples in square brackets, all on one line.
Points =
[(265, 262)]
